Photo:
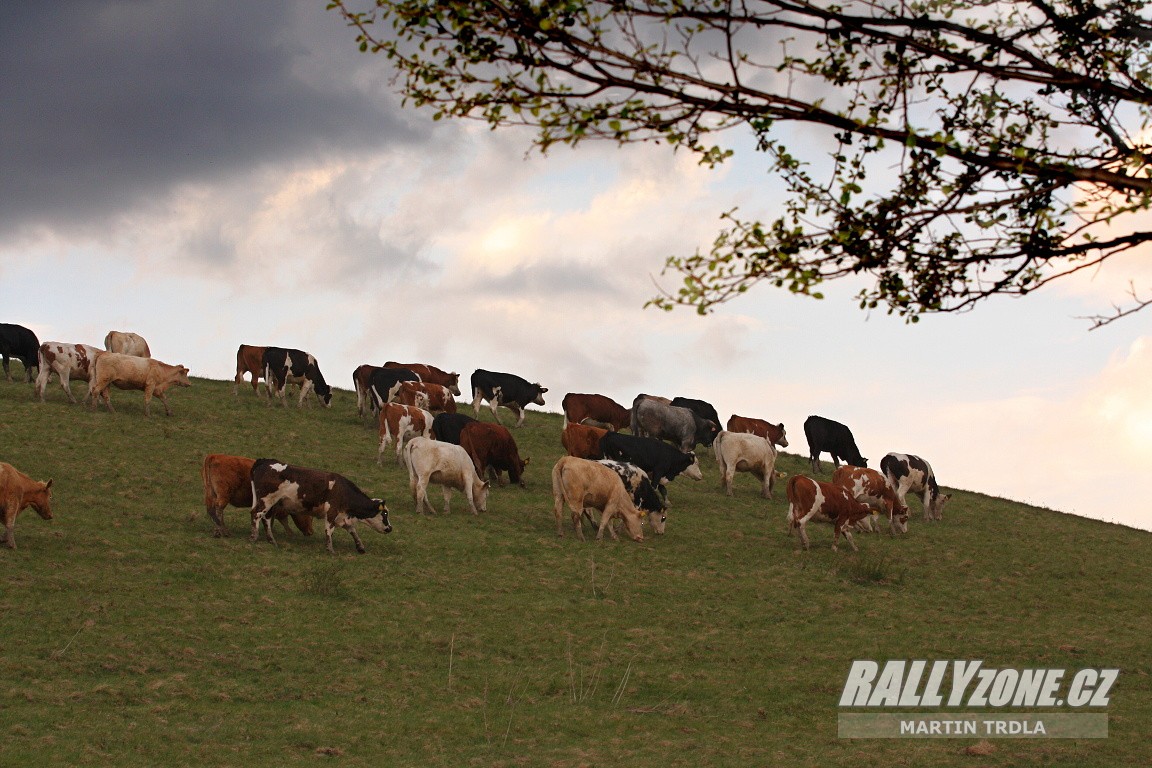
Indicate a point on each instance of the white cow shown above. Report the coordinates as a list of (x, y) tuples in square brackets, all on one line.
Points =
[(745, 452), (127, 343), (447, 465), (67, 361)]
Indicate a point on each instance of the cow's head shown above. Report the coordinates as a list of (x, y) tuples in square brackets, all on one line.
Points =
[(480, 495), (40, 499), (693, 469), (454, 387), (539, 394), (782, 439), (520, 474), (633, 522), (379, 521), (900, 516), (180, 378), (324, 393), (938, 505)]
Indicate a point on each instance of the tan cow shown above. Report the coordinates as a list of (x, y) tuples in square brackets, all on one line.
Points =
[(17, 493), (228, 480), (126, 343), (585, 485), (869, 487), (128, 372), (400, 422), (249, 359), (447, 465), (745, 452), (67, 361)]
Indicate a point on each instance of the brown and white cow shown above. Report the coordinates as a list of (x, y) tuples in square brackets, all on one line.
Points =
[(493, 450), (870, 487), (447, 465), (430, 374), (400, 422), (360, 380), (436, 398), (773, 433), (126, 343), (17, 493), (228, 480), (282, 488), (745, 452), (588, 485), (249, 359), (906, 474), (808, 498), (129, 372), (582, 441), (596, 411), (67, 361)]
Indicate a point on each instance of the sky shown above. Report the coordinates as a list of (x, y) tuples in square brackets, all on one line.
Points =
[(215, 173)]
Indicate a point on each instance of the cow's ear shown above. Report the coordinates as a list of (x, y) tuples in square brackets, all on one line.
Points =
[(543, 390), (47, 485), (527, 460), (380, 507)]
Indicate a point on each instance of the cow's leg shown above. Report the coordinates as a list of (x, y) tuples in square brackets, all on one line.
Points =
[(478, 397), (448, 500), (328, 528), (385, 441), (845, 528), (605, 520), (65, 382), (351, 528), (11, 509), (520, 413), (558, 510), (814, 462), (7, 374), (164, 399), (217, 517)]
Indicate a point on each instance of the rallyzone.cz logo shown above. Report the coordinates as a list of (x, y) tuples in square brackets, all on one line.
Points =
[(969, 684)]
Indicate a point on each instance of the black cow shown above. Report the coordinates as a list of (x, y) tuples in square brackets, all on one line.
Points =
[(291, 366), (832, 436), (505, 389), (21, 343), (384, 383), (279, 488), (682, 426), (446, 427), (699, 407), (661, 461)]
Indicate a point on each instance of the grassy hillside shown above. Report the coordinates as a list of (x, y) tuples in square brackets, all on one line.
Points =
[(131, 637)]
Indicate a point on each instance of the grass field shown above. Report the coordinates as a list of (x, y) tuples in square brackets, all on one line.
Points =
[(131, 637)]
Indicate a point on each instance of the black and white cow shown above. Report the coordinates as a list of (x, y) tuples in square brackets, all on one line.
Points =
[(661, 461), (835, 438), (682, 426), (644, 494), (291, 366), (21, 343), (384, 383), (701, 408), (504, 389), (905, 474), (282, 488), (446, 427)]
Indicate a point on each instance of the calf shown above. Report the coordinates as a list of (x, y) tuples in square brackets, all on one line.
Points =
[(446, 427), (450, 466), (493, 450), (228, 480), (644, 494), (126, 343), (743, 452), (131, 372), (595, 410), (278, 488), (21, 343), (67, 361), (399, 422), (869, 487), (832, 436), (773, 433), (249, 359), (808, 498), (431, 374), (431, 397), (17, 493), (505, 389), (582, 441), (663, 462), (681, 426), (586, 485), (906, 473), (283, 366)]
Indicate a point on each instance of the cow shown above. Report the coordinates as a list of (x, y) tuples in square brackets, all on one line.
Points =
[(661, 461), (596, 411), (126, 343), (588, 485), (384, 384), (21, 343), (773, 433), (907, 473), (360, 378), (284, 366), (131, 372), (431, 374), (446, 427), (493, 450), (681, 426), (808, 498), (399, 422), (228, 480), (249, 359), (832, 436), (279, 487), (431, 397), (644, 494), (744, 452), (67, 361), (17, 493), (582, 441), (701, 408), (505, 389), (870, 487), (447, 465)]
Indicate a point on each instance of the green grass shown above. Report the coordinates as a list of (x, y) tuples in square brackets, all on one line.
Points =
[(130, 636)]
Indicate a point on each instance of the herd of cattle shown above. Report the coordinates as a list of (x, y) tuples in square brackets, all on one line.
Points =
[(606, 476)]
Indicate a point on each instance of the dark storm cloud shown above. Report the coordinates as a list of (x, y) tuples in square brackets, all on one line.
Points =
[(104, 105)]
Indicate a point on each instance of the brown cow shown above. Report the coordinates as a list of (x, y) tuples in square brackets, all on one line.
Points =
[(582, 441), (869, 486), (228, 480), (360, 379), (127, 343), (18, 492), (773, 433), (596, 410), (808, 498), (67, 361), (249, 359), (436, 398), (585, 485), (493, 450), (400, 422), (430, 374), (128, 372)]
